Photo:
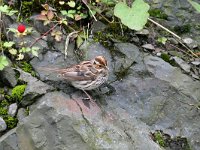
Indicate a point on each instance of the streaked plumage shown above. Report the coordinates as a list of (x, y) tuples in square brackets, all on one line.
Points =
[(86, 75)]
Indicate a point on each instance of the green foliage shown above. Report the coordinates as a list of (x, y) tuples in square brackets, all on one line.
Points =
[(3, 111), (159, 138), (17, 92), (27, 68), (182, 29), (7, 10), (134, 17), (195, 5), (3, 62), (109, 2), (8, 44), (165, 57), (157, 13), (11, 122), (4, 103), (162, 40)]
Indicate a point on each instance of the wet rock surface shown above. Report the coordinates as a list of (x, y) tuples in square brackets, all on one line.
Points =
[(152, 95)]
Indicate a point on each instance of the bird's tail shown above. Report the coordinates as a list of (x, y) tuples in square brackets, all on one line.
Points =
[(58, 70)]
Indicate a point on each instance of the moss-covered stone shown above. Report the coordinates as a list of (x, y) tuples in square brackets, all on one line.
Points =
[(4, 103), (157, 13), (3, 111), (27, 68), (17, 92), (11, 122), (159, 138), (182, 29), (166, 141)]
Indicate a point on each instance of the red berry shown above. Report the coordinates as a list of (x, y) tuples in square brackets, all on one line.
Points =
[(21, 28)]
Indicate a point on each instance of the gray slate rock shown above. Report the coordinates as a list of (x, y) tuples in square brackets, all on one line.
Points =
[(8, 76), (164, 71), (9, 141), (34, 88), (184, 65), (3, 125), (21, 114), (79, 127)]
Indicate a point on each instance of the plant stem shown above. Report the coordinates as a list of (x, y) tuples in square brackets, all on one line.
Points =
[(44, 34), (179, 38)]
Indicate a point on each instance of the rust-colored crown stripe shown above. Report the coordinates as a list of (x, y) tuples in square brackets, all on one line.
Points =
[(101, 60)]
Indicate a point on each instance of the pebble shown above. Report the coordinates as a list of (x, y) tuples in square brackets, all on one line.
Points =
[(3, 125), (12, 109)]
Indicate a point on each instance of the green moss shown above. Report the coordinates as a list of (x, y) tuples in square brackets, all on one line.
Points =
[(10, 121), (3, 111), (157, 13), (182, 29), (165, 57), (165, 140), (17, 92), (27, 68), (159, 138), (4, 103), (113, 31)]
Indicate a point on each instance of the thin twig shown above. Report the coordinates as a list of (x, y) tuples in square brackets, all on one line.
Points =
[(1, 25), (67, 41), (181, 50), (44, 34), (89, 10), (178, 37)]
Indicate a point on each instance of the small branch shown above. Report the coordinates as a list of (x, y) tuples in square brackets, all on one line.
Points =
[(89, 10), (178, 37), (165, 28), (67, 41), (1, 25), (44, 34)]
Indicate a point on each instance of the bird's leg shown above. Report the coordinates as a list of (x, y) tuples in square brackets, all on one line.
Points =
[(89, 97)]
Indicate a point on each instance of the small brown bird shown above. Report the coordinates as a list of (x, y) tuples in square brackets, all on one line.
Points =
[(86, 75)]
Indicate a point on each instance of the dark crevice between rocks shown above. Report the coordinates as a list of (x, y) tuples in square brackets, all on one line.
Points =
[(123, 72), (129, 136), (83, 116)]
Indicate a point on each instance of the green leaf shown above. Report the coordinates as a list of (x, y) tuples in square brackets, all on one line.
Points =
[(13, 51), (63, 12), (71, 11), (3, 62), (71, 4), (108, 2), (70, 15), (12, 12), (34, 51), (162, 40), (79, 41), (134, 17), (4, 9), (25, 49), (8, 44), (195, 5), (12, 30)]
